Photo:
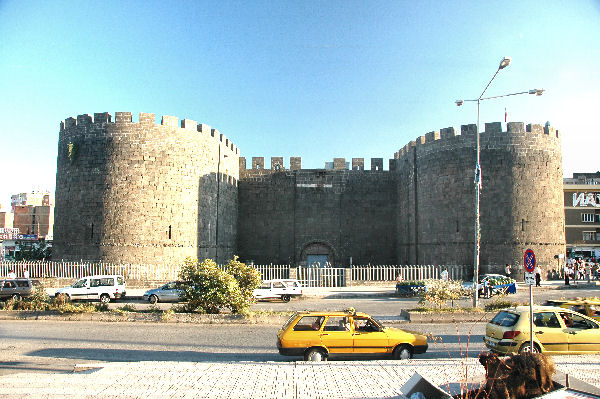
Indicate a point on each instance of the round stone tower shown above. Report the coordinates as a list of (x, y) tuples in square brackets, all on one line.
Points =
[(143, 192), (521, 203)]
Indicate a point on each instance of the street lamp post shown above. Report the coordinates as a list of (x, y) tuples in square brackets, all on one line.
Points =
[(478, 182)]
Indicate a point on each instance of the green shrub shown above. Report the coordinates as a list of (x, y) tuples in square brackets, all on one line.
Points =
[(439, 292), (247, 277), (209, 289)]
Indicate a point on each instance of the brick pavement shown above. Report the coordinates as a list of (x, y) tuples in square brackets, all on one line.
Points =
[(356, 379)]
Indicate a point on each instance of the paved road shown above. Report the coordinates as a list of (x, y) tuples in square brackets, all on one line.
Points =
[(48, 346)]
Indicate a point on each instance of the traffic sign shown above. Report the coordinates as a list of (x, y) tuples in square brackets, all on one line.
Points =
[(529, 278), (529, 261)]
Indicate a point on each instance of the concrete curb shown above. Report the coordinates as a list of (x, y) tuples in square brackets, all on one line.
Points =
[(447, 317), (273, 319), (158, 317)]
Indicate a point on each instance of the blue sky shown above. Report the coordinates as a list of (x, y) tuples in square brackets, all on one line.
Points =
[(316, 79)]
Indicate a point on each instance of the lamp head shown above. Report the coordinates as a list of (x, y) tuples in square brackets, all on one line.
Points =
[(505, 62), (537, 92), (459, 102)]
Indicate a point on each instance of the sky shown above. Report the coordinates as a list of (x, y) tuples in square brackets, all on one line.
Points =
[(315, 79)]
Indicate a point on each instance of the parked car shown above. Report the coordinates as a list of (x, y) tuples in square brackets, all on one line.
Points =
[(556, 331), (16, 288), (587, 307), (170, 292), (283, 289), (101, 287), (318, 335)]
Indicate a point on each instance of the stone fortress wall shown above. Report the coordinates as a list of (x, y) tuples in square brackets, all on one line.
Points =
[(520, 202), (287, 214), (143, 192)]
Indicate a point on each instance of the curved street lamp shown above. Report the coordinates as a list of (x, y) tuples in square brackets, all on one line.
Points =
[(538, 92)]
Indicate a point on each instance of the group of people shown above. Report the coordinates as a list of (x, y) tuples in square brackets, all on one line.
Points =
[(12, 274), (579, 269)]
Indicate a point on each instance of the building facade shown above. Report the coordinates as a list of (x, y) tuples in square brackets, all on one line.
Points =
[(153, 193), (582, 215)]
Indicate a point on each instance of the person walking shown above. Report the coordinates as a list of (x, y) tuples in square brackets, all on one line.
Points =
[(12, 274), (567, 270), (507, 270), (444, 275), (538, 275)]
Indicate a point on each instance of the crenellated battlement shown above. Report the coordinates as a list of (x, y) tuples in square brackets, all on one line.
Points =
[(516, 132), (277, 164), (87, 123)]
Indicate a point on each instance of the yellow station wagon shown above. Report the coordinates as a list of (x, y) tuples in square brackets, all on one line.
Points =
[(587, 307), (556, 331), (317, 335)]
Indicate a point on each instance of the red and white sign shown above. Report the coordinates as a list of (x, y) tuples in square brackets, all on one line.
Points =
[(529, 261)]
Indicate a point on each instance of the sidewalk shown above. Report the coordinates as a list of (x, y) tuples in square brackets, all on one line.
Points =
[(350, 379)]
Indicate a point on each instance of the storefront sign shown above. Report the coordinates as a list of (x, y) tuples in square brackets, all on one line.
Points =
[(16, 237), (586, 199)]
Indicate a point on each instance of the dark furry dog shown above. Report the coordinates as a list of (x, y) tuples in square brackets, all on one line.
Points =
[(516, 376)]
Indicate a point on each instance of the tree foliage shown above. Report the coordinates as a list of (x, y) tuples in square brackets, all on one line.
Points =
[(439, 292), (209, 289)]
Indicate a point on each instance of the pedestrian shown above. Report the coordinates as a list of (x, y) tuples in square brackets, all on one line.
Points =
[(25, 273), (507, 270), (567, 271), (588, 272), (444, 274), (399, 280), (12, 274), (538, 275), (486, 288)]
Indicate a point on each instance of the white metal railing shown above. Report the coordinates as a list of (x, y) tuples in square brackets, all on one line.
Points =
[(270, 272), (410, 272), (322, 276), (50, 269), (309, 276)]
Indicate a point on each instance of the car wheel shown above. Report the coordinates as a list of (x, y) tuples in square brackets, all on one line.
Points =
[(315, 355), (104, 298), (153, 299), (526, 348), (16, 297), (286, 298), (402, 352)]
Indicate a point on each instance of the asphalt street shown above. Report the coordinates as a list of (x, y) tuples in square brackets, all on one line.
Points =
[(49, 346)]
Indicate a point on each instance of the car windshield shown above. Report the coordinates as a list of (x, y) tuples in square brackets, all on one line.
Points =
[(287, 323), (378, 323), (79, 284), (505, 319)]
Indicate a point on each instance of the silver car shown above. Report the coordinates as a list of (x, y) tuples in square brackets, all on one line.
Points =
[(170, 292)]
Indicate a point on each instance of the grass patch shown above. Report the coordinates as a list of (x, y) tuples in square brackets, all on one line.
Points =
[(425, 309), (500, 303)]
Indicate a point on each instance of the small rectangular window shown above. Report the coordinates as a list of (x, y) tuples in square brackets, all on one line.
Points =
[(587, 217), (107, 282), (589, 236)]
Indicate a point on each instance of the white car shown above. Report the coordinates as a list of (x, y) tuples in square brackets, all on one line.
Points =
[(100, 287), (283, 289)]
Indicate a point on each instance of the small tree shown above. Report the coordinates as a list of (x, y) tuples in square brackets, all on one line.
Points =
[(247, 277), (439, 292), (209, 289)]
